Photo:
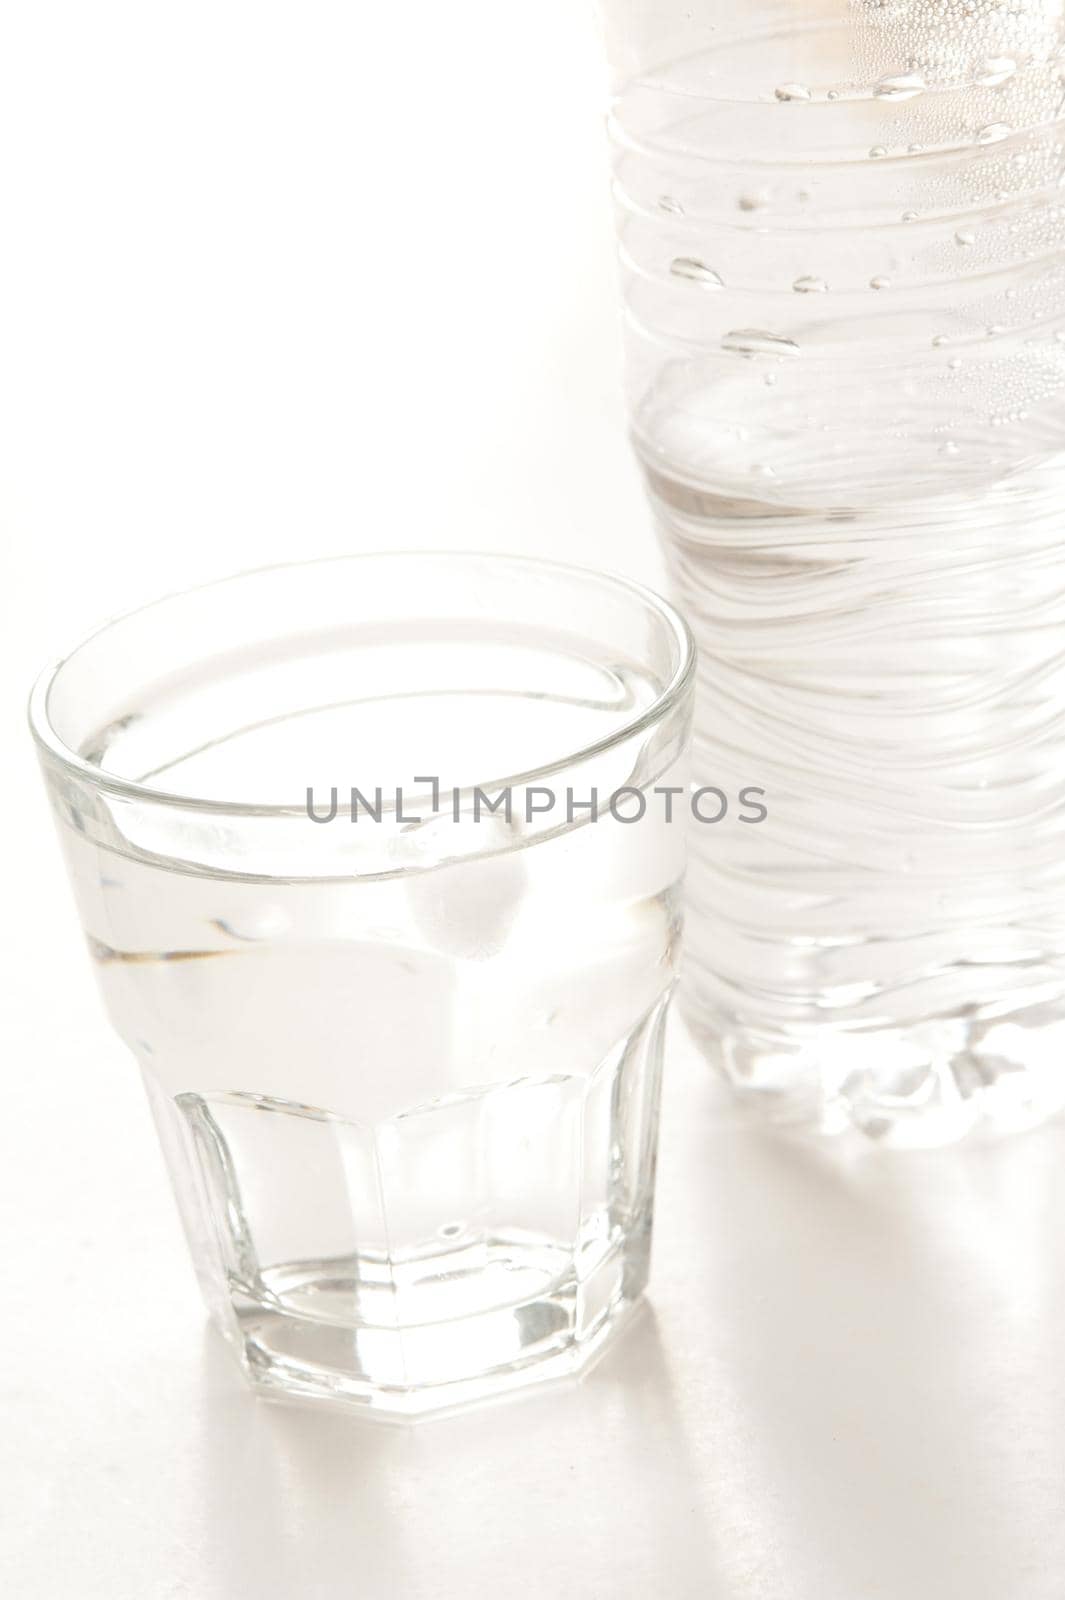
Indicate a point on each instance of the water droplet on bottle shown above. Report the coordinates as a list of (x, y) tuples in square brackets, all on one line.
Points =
[(752, 200), (877, 151), (809, 285), (909, 216), (666, 202), (938, 339), (993, 133), (880, 283), (696, 272), (914, 149), (954, 363), (949, 449), (760, 470), (770, 379), (792, 91), (833, 94), (964, 237), (758, 342), (995, 70), (995, 328), (902, 86)]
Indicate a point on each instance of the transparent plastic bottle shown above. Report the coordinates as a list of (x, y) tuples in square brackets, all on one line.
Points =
[(841, 229)]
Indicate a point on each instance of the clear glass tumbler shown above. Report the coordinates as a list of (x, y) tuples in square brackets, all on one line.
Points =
[(396, 990), (842, 232)]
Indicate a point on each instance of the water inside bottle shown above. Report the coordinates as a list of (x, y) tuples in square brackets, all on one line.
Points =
[(845, 302)]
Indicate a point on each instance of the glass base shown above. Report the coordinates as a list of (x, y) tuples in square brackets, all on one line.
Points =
[(478, 1241), (328, 1330), (907, 1087)]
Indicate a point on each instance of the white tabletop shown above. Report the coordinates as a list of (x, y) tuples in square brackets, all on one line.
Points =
[(848, 1384), (287, 281)]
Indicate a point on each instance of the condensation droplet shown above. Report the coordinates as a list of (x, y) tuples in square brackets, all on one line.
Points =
[(949, 449), (758, 342), (666, 202), (770, 379), (909, 216), (914, 149), (809, 285), (964, 237), (833, 94), (880, 283), (939, 339), (877, 151), (993, 133), (994, 329), (792, 91), (954, 363), (995, 70), (902, 86), (752, 200), (696, 272)]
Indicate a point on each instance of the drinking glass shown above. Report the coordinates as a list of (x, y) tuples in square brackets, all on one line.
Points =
[(842, 238), (374, 864)]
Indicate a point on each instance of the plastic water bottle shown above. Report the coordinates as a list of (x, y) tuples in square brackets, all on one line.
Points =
[(841, 229)]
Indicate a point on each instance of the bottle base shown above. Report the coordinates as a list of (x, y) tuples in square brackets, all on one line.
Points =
[(912, 1087)]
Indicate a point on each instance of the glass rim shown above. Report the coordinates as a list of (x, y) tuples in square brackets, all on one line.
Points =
[(50, 743)]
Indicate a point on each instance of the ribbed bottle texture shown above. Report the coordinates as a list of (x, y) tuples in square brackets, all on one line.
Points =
[(841, 232)]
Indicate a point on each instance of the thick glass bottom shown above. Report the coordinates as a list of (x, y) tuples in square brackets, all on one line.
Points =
[(476, 1242), (404, 1340)]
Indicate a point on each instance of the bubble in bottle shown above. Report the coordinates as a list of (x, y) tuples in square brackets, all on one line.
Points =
[(995, 70), (696, 271), (758, 342), (809, 285), (902, 86), (993, 132)]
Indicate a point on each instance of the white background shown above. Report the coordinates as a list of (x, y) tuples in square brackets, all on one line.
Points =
[(290, 280)]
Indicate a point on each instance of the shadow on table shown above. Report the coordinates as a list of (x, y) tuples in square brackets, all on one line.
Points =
[(885, 1339), (850, 1387), (549, 1492)]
